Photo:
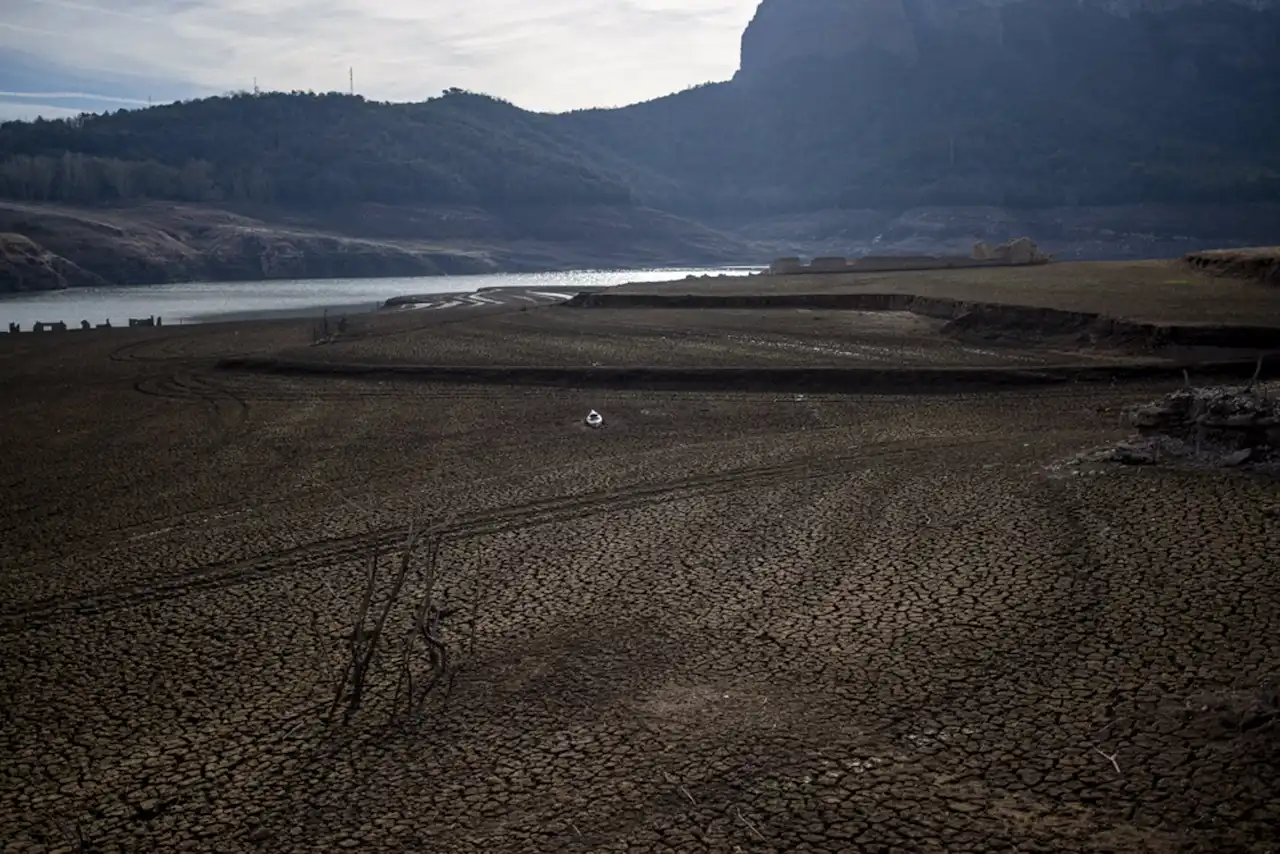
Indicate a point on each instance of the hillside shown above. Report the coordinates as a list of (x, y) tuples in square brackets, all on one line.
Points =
[(304, 150), (1106, 128), (153, 242), (27, 266)]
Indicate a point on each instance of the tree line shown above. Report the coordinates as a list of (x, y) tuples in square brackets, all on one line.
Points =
[(303, 149)]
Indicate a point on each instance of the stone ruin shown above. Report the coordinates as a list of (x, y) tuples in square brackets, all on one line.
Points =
[(1022, 250), (1219, 426), (61, 326)]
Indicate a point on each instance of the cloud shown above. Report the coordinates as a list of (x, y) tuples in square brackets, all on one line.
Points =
[(95, 88), (27, 111), (76, 96), (547, 55)]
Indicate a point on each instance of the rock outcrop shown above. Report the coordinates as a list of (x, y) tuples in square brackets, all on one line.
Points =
[(785, 30), (1231, 419), (1261, 263), (1217, 426), (1023, 250)]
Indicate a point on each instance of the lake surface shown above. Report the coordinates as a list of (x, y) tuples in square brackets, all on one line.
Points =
[(198, 302)]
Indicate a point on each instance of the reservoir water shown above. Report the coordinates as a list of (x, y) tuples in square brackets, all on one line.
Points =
[(199, 302)]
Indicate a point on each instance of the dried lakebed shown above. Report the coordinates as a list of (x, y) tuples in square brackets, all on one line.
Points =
[(726, 621)]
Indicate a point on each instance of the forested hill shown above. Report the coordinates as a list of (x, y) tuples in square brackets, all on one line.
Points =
[(305, 150)]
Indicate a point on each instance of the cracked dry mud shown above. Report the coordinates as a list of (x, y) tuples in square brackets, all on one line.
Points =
[(726, 622)]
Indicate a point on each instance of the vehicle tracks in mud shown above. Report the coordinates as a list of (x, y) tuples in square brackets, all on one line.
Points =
[(500, 520)]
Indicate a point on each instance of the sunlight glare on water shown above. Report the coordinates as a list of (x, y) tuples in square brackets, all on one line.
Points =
[(196, 302)]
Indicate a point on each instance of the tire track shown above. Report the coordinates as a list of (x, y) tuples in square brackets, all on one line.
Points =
[(103, 540), (229, 410), (162, 347), (501, 520)]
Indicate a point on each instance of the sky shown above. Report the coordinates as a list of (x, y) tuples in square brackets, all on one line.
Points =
[(61, 57)]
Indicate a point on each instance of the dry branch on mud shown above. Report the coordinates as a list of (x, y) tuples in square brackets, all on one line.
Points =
[(399, 632)]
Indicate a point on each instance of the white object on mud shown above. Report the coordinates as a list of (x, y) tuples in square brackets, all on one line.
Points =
[(594, 419)]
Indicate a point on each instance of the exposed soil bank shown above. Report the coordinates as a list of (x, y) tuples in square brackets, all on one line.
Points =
[(153, 243), (788, 379), (1261, 264), (967, 317), (25, 266)]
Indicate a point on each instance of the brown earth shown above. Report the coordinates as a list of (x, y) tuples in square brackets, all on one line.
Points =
[(1168, 292), (726, 621)]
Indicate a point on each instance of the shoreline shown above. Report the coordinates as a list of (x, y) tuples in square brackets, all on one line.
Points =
[(213, 302), (300, 313)]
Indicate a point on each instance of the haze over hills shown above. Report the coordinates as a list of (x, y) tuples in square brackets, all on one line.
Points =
[(920, 122)]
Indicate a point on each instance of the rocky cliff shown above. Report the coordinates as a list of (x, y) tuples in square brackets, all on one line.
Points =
[(784, 31), (1013, 104)]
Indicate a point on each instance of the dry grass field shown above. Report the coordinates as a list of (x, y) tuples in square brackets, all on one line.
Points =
[(724, 622)]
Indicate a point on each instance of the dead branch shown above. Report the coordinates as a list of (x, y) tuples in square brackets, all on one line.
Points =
[(742, 818), (355, 639), (1112, 758), (415, 600), (369, 649), (426, 625)]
